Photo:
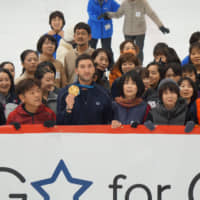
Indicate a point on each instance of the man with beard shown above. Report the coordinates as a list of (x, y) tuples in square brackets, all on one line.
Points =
[(82, 36), (84, 102)]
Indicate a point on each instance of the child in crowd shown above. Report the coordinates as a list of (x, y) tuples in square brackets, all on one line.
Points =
[(195, 37), (188, 90), (57, 22), (127, 46), (46, 45), (195, 57), (173, 71), (130, 107), (29, 59), (31, 111), (10, 67), (190, 71), (46, 76), (102, 60), (125, 63), (172, 109), (156, 74)]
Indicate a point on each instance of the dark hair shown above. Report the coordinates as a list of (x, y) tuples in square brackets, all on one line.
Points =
[(194, 86), (121, 47), (43, 39), (176, 68), (99, 50), (41, 72), (55, 14), (25, 53), (82, 25), (83, 57), (25, 85), (23, 56), (12, 87), (195, 45), (189, 68), (160, 48), (195, 37), (169, 85), (127, 57), (172, 56), (50, 66), (5, 63), (134, 76), (144, 73), (161, 68)]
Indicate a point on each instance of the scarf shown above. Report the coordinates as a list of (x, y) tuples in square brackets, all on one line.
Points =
[(128, 103)]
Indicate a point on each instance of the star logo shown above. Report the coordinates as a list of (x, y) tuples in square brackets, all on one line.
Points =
[(61, 168)]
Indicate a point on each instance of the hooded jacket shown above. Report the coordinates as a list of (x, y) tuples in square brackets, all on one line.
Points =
[(179, 115), (101, 28), (23, 117)]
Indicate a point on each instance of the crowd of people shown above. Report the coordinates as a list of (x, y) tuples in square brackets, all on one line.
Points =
[(67, 81)]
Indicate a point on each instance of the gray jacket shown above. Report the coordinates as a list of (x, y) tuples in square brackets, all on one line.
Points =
[(134, 12)]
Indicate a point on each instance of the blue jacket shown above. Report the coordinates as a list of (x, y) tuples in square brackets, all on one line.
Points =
[(92, 106), (126, 115), (185, 61), (101, 28)]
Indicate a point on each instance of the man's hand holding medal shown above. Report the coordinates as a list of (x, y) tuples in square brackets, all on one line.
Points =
[(73, 91)]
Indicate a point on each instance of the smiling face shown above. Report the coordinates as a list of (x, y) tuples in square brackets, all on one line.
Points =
[(129, 47), (186, 90), (130, 89), (5, 83), (102, 61), (195, 56), (30, 62), (57, 24), (32, 98), (154, 75), (48, 47), (127, 66)]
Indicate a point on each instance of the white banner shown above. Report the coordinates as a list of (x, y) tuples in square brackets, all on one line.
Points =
[(99, 167)]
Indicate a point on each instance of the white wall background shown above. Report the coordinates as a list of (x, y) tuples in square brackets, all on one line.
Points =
[(24, 21)]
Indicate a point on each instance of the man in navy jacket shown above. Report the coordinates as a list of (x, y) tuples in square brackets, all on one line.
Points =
[(84, 102)]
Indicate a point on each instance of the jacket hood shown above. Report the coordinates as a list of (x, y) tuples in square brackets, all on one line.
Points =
[(69, 33)]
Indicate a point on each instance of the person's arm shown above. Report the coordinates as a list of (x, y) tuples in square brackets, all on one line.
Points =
[(64, 112), (120, 12), (149, 11), (91, 13)]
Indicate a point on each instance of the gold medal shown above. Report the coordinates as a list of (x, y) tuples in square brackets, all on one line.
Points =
[(74, 90)]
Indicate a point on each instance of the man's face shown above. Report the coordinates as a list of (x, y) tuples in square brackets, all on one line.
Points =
[(81, 37), (85, 70)]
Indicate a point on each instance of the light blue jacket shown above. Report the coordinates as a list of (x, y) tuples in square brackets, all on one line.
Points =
[(101, 28)]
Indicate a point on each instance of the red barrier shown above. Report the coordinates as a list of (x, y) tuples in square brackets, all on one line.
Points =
[(126, 129)]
